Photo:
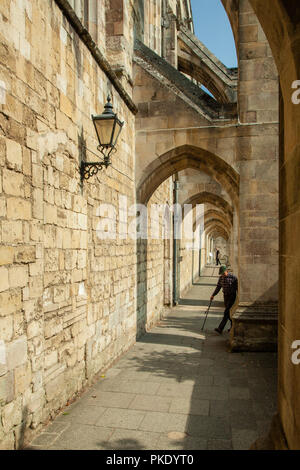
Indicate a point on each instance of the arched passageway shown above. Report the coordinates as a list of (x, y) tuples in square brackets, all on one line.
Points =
[(251, 148), (158, 184)]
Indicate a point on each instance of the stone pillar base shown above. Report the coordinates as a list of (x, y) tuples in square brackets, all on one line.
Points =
[(254, 327)]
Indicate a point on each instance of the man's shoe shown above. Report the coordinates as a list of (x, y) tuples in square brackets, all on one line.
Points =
[(218, 331)]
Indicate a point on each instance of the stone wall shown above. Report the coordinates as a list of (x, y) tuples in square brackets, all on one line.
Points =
[(189, 259), (67, 300), (71, 302), (154, 265), (280, 20), (242, 157)]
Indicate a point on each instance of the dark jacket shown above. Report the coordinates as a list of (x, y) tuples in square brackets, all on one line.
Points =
[(228, 283)]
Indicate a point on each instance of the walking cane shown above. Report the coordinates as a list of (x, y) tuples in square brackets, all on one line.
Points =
[(206, 315)]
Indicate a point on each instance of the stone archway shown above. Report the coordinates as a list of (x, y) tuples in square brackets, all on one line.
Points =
[(187, 156), (170, 163), (214, 199)]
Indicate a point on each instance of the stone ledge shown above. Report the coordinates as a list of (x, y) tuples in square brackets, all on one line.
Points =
[(256, 312), (255, 327)]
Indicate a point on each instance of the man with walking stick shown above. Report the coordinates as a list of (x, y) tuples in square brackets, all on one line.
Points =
[(229, 283)]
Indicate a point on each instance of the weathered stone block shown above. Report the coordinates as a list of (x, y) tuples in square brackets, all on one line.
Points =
[(7, 387), (8, 441), (38, 204), (34, 328), (13, 183), (18, 276), (22, 378), (10, 302), (14, 155), (36, 401), (50, 214), (36, 269), (55, 387), (18, 208), (249, 33), (31, 309), (53, 327), (25, 254), (66, 105), (37, 176), (4, 284), (12, 414), (26, 161), (51, 358), (17, 353), (6, 255), (6, 328)]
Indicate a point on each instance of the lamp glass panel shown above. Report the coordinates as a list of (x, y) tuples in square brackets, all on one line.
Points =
[(118, 129), (104, 129)]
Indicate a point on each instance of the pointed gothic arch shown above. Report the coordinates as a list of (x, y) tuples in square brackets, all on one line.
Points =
[(187, 156)]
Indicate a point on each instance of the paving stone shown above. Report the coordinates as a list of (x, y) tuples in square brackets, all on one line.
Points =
[(240, 406), (130, 387), (146, 402), (192, 407), (167, 390), (264, 408), (188, 443), (210, 393), (199, 380), (132, 440), (164, 422), (241, 393), (110, 399), (133, 375), (209, 427), (83, 437), (163, 379), (85, 414), (239, 382), (44, 440), (219, 444), (118, 418), (243, 421), (219, 408), (262, 395), (113, 372), (221, 381), (242, 439), (57, 427), (238, 372)]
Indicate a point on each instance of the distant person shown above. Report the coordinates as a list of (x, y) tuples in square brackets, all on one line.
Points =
[(229, 283), (218, 257)]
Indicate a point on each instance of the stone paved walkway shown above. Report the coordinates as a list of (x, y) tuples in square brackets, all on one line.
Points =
[(178, 388)]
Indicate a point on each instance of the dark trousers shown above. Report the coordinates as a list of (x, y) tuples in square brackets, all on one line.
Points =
[(218, 261), (228, 301)]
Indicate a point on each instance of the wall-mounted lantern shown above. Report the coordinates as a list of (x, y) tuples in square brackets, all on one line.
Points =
[(108, 128)]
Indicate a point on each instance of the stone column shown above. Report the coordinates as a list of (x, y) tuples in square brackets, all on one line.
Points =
[(255, 320)]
